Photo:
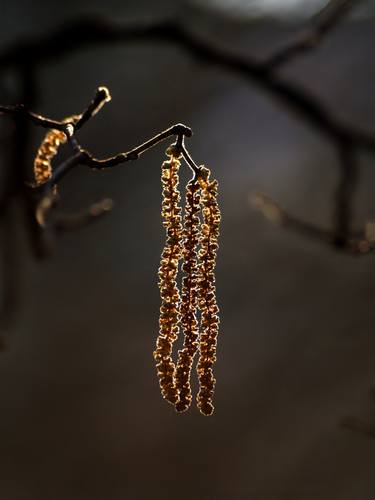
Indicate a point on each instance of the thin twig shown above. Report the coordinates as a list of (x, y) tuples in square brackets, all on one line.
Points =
[(102, 96), (97, 164), (189, 160)]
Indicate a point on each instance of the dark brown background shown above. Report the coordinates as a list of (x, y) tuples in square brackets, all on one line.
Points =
[(81, 416)]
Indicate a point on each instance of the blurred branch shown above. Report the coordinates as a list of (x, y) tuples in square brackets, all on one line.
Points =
[(77, 221), (9, 272), (89, 31), (323, 23), (358, 425), (344, 193), (354, 243)]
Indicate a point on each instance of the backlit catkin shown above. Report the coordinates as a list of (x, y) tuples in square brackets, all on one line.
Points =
[(47, 151), (170, 306), (189, 297), (207, 292), (200, 229)]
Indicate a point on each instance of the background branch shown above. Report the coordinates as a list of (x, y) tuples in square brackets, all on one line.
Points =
[(323, 23)]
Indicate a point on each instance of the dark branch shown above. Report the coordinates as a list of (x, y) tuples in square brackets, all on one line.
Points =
[(133, 154), (65, 223), (358, 425), (69, 126), (351, 242), (47, 193), (102, 96), (92, 31), (19, 111), (326, 20), (189, 160), (345, 193)]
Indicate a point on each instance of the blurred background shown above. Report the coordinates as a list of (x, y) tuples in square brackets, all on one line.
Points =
[(81, 416)]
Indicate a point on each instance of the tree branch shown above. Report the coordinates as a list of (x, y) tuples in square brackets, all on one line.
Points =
[(91, 31), (325, 21)]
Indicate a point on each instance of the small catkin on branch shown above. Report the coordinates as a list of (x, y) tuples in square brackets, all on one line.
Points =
[(207, 292), (48, 150), (189, 299), (170, 296)]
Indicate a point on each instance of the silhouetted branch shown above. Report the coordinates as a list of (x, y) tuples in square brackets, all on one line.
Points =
[(175, 130), (102, 96)]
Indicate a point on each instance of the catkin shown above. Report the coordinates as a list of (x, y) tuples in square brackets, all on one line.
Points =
[(189, 297), (198, 289), (47, 151), (207, 292), (170, 306)]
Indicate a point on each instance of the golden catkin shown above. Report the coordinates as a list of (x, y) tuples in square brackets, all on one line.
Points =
[(170, 306), (207, 292), (47, 151), (189, 298)]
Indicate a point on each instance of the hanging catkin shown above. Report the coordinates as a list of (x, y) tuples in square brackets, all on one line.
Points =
[(207, 292), (170, 306), (47, 151), (198, 286), (189, 323)]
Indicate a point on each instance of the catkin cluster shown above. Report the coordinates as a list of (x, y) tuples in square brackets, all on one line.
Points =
[(195, 242)]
